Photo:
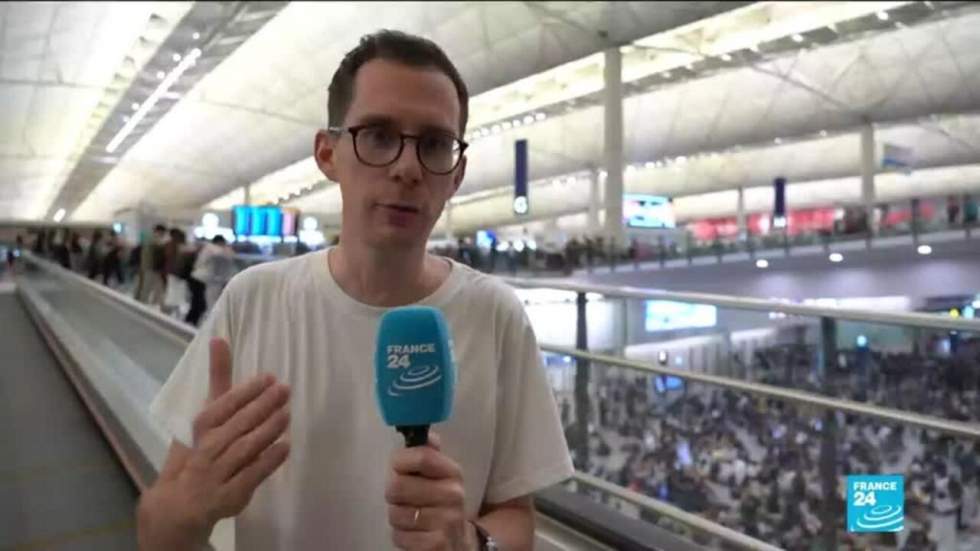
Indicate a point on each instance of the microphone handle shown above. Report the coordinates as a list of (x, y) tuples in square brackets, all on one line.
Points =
[(415, 435)]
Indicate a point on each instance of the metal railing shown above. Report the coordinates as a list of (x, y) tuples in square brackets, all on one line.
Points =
[(697, 523), (915, 319), (665, 509), (800, 397)]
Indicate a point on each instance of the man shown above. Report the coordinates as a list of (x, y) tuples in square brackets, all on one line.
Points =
[(294, 340), (210, 272), (152, 281)]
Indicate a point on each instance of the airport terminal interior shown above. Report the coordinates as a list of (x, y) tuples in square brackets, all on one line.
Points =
[(745, 234)]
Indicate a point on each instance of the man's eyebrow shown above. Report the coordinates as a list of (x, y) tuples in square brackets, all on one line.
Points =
[(438, 128), (377, 118), (373, 118)]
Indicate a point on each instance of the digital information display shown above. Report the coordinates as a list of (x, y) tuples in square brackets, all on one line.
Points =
[(648, 211), (264, 220), (666, 315)]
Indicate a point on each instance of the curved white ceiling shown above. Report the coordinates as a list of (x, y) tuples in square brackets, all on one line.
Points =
[(57, 60), (895, 76), (257, 111), (904, 76)]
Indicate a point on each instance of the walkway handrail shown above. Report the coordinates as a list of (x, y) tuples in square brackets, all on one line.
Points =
[(955, 428), (696, 522), (176, 326), (916, 319)]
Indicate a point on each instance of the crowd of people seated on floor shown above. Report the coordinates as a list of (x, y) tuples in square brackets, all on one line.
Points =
[(754, 464)]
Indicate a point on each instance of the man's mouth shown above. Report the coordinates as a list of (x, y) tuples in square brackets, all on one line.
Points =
[(401, 207)]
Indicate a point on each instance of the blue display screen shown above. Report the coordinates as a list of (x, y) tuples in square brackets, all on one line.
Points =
[(266, 220), (665, 315), (648, 211), (241, 222), (663, 383), (273, 221)]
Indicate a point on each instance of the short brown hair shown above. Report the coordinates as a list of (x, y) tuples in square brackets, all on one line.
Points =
[(404, 48)]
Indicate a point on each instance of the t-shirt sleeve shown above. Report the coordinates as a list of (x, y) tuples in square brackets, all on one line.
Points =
[(183, 394), (530, 452)]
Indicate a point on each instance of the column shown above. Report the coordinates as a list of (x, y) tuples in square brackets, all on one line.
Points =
[(248, 193), (868, 171), (613, 133), (743, 230), (594, 198), (827, 461)]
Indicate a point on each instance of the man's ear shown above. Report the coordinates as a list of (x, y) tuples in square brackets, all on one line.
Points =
[(324, 147)]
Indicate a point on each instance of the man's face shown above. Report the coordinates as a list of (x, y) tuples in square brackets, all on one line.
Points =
[(398, 204)]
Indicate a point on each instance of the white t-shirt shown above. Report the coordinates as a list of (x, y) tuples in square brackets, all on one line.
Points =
[(291, 318)]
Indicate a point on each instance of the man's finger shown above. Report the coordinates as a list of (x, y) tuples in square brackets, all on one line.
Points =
[(222, 409), (416, 491), (412, 541), (248, 446), (435, 441), (220, 379), (249, 478), (247, 418), (403, 517), (426, 461)]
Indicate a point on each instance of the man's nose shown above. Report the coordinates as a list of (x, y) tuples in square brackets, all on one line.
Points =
[(406, 167)]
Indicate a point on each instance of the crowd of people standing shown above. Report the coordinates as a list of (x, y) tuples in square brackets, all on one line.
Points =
[(166, 270)]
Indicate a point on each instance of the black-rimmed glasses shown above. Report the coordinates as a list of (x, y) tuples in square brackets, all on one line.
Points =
[(381, 145)]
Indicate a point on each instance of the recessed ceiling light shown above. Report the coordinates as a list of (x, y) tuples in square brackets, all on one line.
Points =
[(823, 133), (528, 119), (777, 141), (726, 57), (762, 263), (797, 38), (135, 106), (196, 36), (666, 74), (176, 58), (925, 250), (836, 257), (161, 75), (540, 117), (883, 16)]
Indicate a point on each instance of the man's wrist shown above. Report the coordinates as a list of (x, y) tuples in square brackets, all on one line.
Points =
[(158, 529)]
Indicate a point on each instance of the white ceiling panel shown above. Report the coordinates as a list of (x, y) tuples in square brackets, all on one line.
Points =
[(257, 111), (55, 60)]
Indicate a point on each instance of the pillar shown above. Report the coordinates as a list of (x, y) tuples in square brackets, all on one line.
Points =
[(868, 171), (594, 198), (613, 136), (743, 230), (248, 193)]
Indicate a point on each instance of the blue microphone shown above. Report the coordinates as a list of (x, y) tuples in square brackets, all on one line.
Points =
[(415, 374)]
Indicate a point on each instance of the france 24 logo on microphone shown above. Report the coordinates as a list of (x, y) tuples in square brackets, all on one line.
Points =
[(875, 503)]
